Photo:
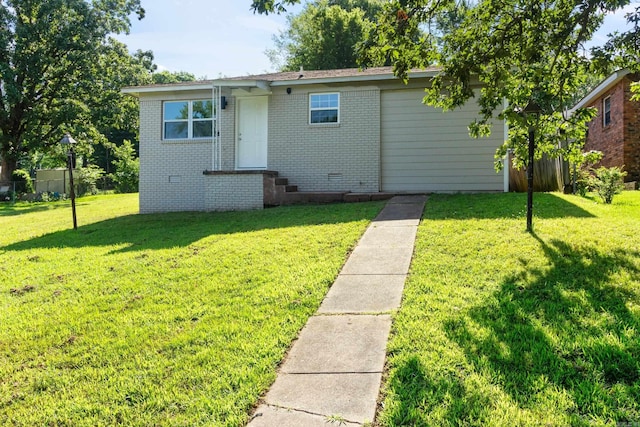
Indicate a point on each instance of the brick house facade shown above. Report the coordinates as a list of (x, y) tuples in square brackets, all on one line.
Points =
[(281, 137), (615, 131)]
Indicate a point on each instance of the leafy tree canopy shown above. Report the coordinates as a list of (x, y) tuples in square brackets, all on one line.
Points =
[(165, 77), (324, 35), (60, 72), (508, 54)]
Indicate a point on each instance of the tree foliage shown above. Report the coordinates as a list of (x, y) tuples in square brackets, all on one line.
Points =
[(165, 77), (622, 50), (507, 54), (324, 35), (61, 72), (126, 176)]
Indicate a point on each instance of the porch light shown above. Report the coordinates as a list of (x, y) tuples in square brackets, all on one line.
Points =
[(68, 142)]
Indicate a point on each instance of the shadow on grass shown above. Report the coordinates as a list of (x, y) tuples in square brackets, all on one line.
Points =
[(10, 209), (575, 303), (501, 205), (180, 229), (566, 331)]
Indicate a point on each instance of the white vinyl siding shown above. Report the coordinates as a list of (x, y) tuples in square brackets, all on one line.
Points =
[(426, 150)]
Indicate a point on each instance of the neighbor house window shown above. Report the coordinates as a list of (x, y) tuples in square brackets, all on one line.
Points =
[(324, 108), (188, 119), (606, 110)]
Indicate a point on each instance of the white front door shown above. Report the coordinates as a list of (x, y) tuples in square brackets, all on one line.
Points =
[(252, 132)]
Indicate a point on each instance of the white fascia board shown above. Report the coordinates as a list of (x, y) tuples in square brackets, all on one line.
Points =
[(167, 88), (604, 86), (247, 84), (351, 79)]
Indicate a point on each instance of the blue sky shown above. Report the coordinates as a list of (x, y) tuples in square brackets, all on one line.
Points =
[(223, 38)]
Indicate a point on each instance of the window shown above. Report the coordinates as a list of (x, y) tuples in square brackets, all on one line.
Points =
[(324, 108), (188, 119), (606, 111)]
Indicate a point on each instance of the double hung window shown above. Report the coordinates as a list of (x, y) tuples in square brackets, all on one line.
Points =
[(324, 108), (188, 119), (606, 111)]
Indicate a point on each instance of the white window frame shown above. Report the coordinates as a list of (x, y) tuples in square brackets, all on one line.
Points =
[(606, 111), (337, 109), (189, 120)]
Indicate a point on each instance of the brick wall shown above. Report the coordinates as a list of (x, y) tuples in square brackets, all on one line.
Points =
[(227, 192), (170, 171), (631, 132), (330, 157), (620, 140)]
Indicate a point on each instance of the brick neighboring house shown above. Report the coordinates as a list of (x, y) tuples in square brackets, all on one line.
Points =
[(245, 142), (615, 131)]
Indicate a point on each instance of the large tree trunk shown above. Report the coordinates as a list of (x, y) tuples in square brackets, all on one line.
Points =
[(7, 167)]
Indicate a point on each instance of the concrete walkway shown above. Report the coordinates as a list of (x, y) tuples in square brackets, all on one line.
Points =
[(333, 370)]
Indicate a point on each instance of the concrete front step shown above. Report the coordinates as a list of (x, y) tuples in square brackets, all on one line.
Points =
[(281, 181), (366, 197), (312, 197)]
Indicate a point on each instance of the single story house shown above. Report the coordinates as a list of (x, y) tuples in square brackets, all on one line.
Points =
[(615, 131), (245, 142)]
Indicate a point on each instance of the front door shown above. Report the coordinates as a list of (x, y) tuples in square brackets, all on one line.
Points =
[(252, 132)]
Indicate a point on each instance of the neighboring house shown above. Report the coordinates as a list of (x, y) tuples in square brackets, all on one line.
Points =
[(615, 131), (236, 143)]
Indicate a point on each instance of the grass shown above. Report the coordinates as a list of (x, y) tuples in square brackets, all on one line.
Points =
[(504, 328), (173, 319)]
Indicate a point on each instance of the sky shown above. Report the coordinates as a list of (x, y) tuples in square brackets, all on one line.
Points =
[(224, 38), (207, 38)]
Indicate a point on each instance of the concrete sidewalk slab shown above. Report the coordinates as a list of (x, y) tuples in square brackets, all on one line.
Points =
[(388, 236), (363, 294), (352, 396), (267, 416), (333, 371), (401, 213), (410, 198), (340, 344), (378, 260)]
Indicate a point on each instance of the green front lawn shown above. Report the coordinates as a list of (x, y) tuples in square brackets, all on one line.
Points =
[(502, 328), (173, 319)]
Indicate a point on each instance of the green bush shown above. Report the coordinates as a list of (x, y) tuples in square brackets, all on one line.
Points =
[(87, 179), (127, 168), (583, 182), (608, 182), (23, 181)]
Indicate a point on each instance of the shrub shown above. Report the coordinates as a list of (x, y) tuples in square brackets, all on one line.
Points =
[(583, 182), (23, 181), (608, 182), (87, 179), (127, 168)]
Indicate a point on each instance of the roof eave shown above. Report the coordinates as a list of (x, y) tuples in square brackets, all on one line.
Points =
[(604, 86), (138, 90), (350, 79)]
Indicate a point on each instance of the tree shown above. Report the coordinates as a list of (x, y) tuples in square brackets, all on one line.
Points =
[(127, 167), (519, 52), (59, 71), (324, 35), (165, 77)]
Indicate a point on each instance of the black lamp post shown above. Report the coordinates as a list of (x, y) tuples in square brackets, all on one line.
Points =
[(69, 142), (532, 109)]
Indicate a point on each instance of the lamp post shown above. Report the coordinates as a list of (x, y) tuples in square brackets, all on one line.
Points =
[(69, 142), (532, 109)]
